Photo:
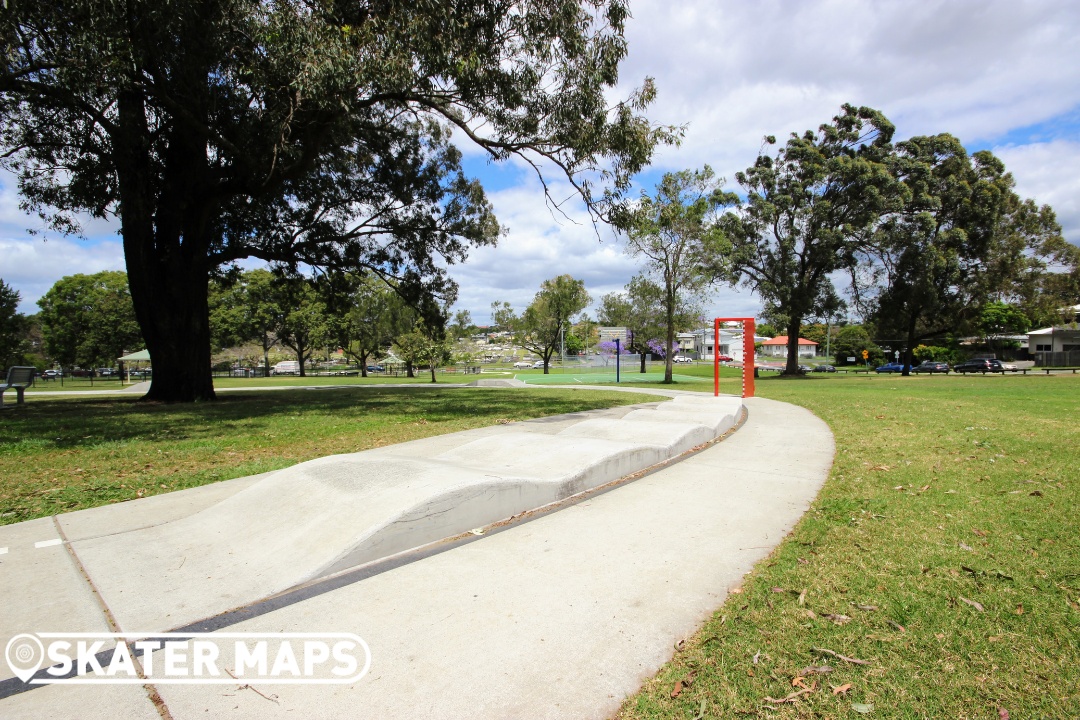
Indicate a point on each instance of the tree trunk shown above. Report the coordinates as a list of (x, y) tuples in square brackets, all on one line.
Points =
[(792, 367), (432, 365), (166, 233), (642, 362), (909, 349), (174, 314), (363, 363), (409, 370), (669, 334), (300, 348)]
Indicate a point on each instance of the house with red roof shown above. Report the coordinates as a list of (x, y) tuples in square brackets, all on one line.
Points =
[(777, 347)]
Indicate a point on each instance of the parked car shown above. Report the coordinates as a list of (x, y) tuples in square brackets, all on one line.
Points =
[(523, 365), (538, 365), (50, 374), (682, 359), (805, 368), (373, 368), (977, 365), (286, 367), (726, 358), (931, 366), (1006, 367), (824, 368), (890, 368)]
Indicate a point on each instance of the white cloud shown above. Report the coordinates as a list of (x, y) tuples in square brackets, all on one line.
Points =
[(736, 71), (33, 265), (1048, 173)]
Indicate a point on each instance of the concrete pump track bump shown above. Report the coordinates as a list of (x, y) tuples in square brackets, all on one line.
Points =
[(263, 553)]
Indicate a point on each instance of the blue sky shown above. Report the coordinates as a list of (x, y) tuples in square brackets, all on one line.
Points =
[(1003, 76)]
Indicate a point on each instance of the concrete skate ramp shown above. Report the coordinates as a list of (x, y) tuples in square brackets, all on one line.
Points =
[(333, 513)]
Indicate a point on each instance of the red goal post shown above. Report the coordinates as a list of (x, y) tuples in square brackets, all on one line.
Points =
[(748, 328)]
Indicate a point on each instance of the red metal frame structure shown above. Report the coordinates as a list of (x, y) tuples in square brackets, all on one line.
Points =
[(748, 327)]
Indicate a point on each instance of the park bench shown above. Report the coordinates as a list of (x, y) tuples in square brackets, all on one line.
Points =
[(18, 378)]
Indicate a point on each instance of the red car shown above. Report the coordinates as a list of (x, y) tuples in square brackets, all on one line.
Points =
[(726, 358)]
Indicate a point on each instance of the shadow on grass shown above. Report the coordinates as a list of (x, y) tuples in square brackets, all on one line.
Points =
[(68, 423)]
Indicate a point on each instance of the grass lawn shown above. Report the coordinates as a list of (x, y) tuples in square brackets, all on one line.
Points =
[(63, 454), (940, 566)]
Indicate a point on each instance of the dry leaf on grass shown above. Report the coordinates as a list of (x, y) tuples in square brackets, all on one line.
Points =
[(815, 670), (965, 546), (977, 605), (862, 708), (838, 656), (980, 533), (840, 690), (793, 697), (682, 684), (838, 619)]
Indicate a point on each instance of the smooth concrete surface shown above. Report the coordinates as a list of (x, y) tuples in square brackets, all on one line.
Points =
[(564, 616), (169, 560), (559, 617), (40, 587)]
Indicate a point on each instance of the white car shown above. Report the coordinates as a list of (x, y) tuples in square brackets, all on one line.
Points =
[(682, 359), (538, 365), (523, 365)]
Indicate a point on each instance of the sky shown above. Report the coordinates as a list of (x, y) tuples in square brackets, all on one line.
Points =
[(1000, 75)]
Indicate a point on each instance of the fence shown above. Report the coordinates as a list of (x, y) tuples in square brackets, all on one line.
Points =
[(1068, 358)]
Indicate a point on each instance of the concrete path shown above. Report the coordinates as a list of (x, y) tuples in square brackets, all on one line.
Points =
[(560, 616)]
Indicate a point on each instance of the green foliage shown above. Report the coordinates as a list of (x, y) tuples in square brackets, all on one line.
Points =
[(300, 317), (424, 345), (962, 237), (807, 212), (850, 341), (365, 315), (538, 328), (677, 234), (302, 134), (937, 353), (640, 309), (462, 325), (89, 320), (766, 329), (998, 318), (13, 328), (246, 311), (574, 344)]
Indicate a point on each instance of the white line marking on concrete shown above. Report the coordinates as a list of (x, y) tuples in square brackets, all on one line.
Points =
[(3, 551), (48, 543)]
